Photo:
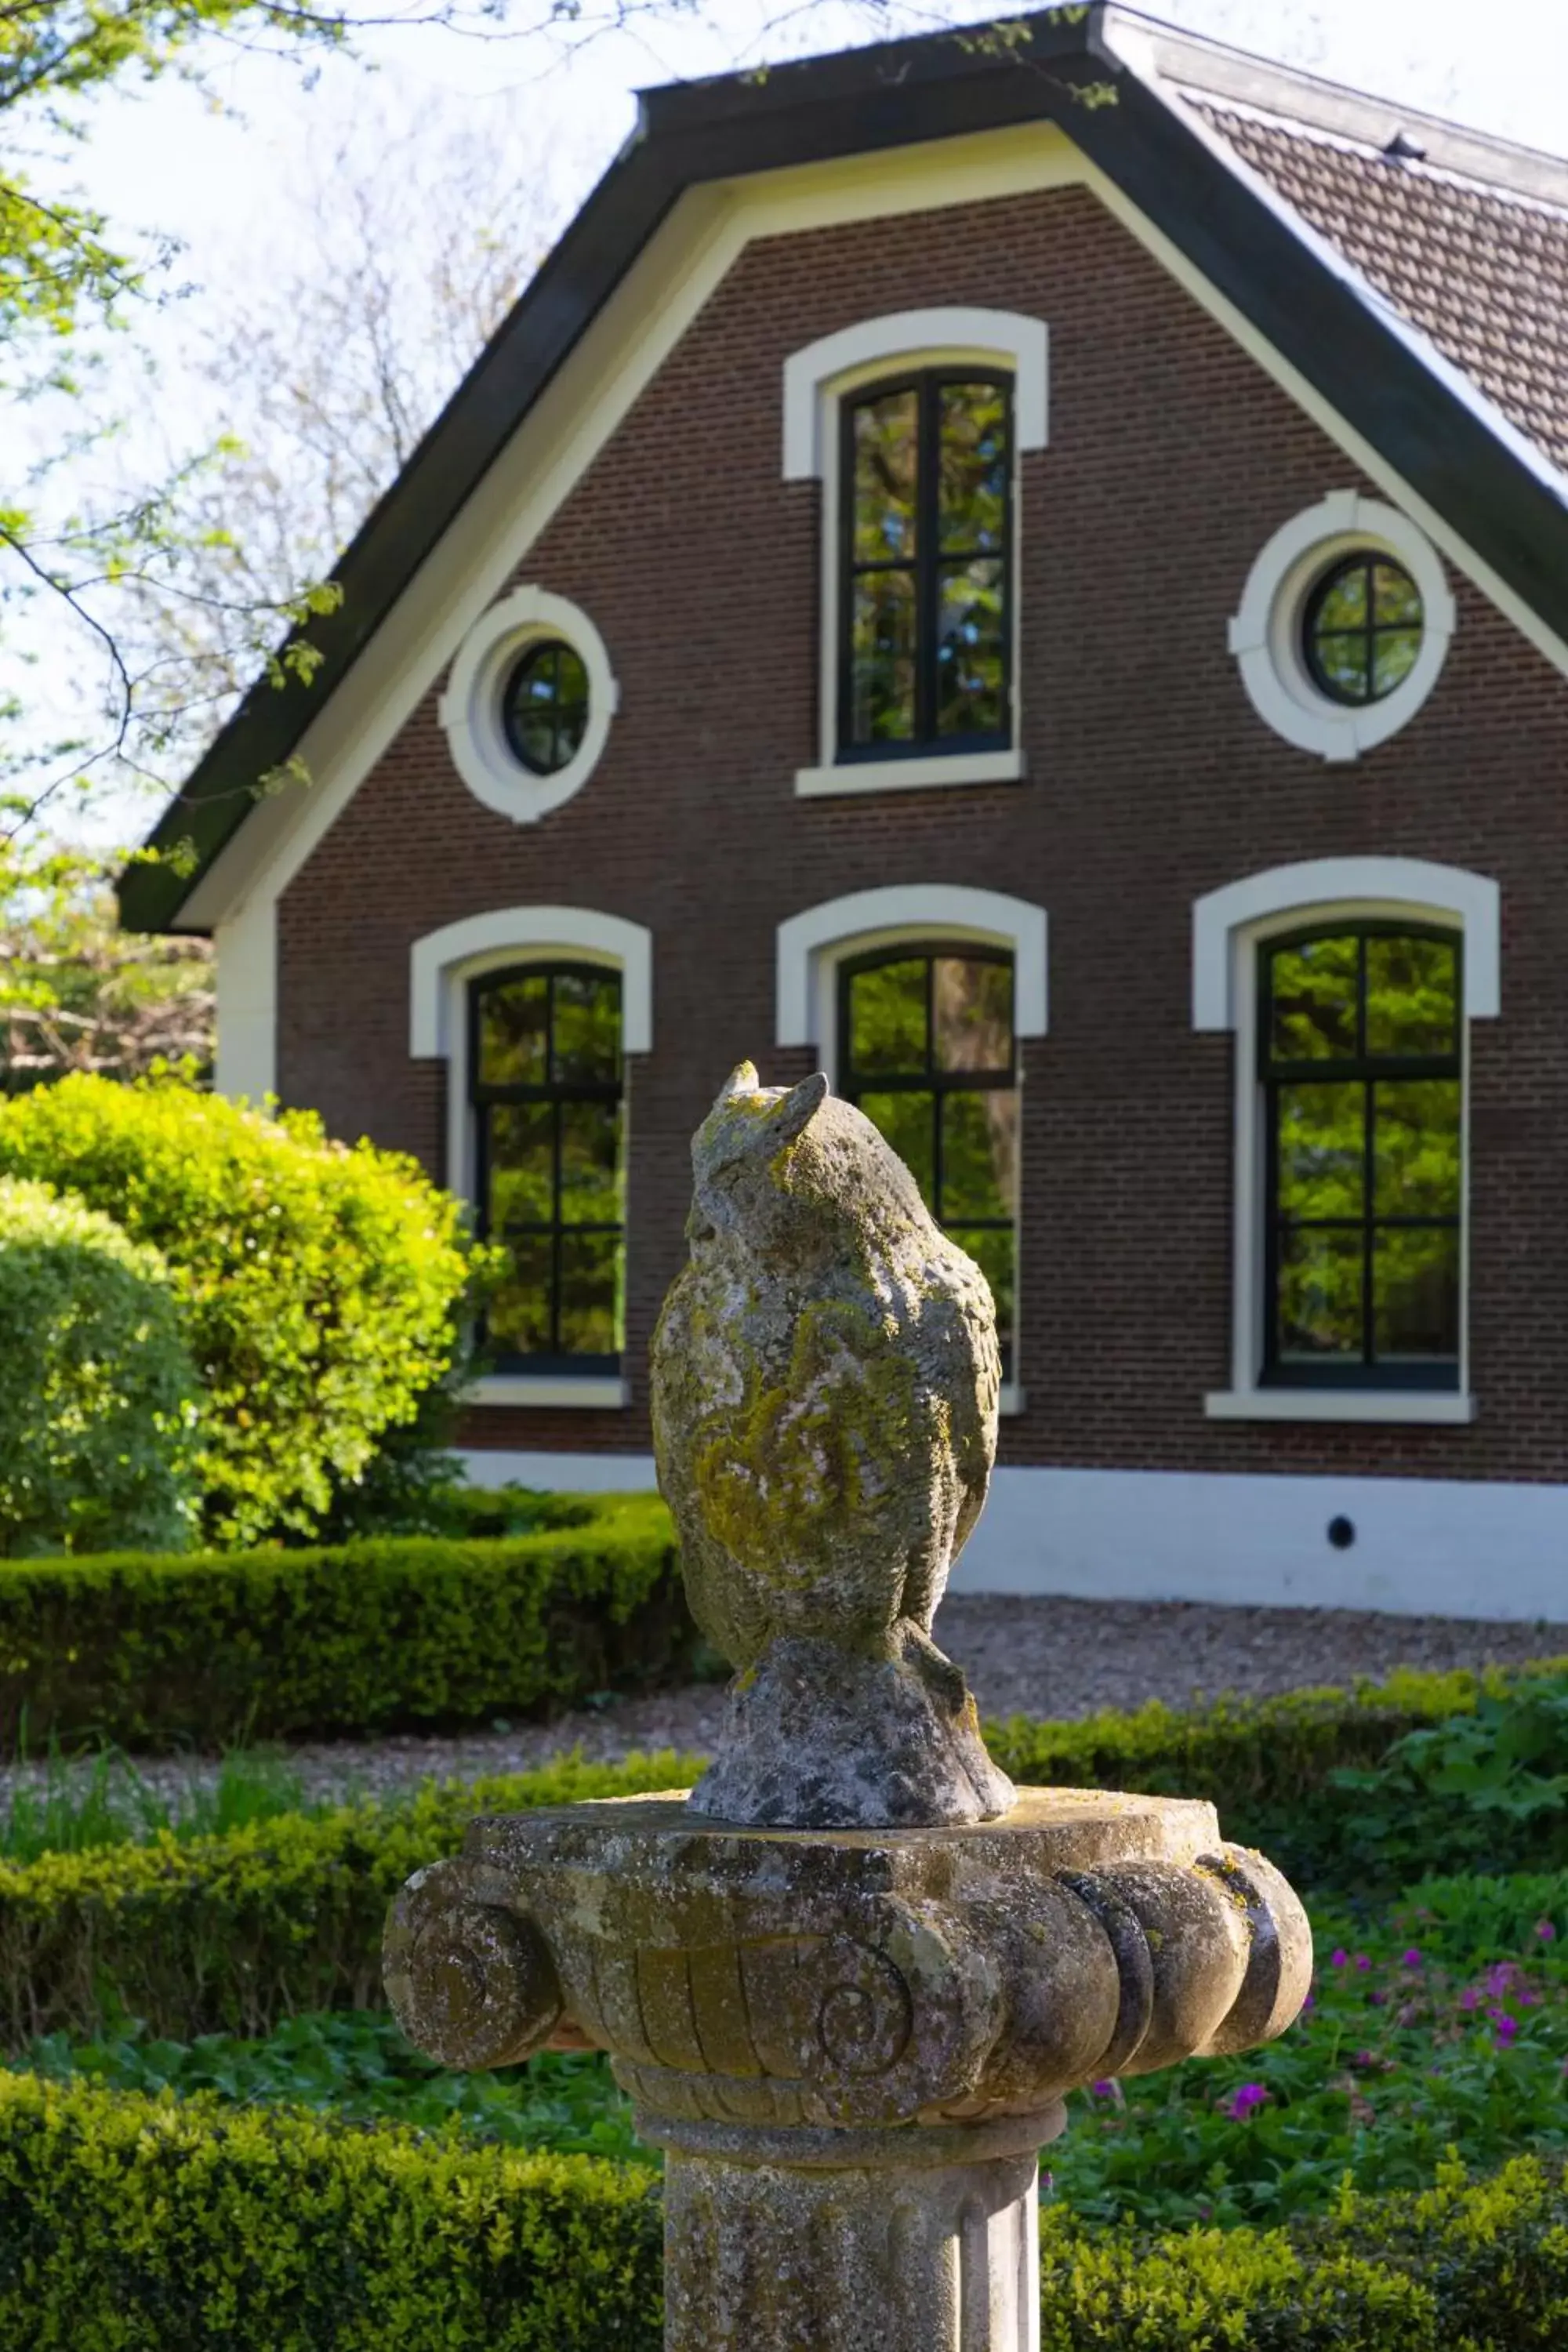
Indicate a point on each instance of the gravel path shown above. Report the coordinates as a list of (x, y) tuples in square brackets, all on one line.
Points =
[(1048, 1658)]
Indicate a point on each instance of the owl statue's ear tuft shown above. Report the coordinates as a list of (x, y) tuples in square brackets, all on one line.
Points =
[(799, 1107), (742, 1080)]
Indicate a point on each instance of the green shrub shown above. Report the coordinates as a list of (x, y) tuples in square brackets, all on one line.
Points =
[(140, 2225), (98, 1413), (401, 1634), (130, 2224), (1286, 1773), (231, 1934), (319, 1284)]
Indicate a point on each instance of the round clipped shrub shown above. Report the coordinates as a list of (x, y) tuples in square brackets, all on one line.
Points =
[(321, 1285), (98, 1390)]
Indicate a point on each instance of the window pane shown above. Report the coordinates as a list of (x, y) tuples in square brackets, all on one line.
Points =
[(1343, 666), (1393, 659), (995, 1252), (588, 1027), (1412, 996), (1416, 1284), (1396, 596), (908, 1122), (1313, 988), (1416, 1148), (979, 1153), (1320, 1305), (1342, 605), (522, 1164), (590, 1163), (591, 1286), (971, 423), (969, 688), (887, 447), (517, 1318), (972, 1006), (1321, 1151), (887, 1018), (882, 658), (513, 1019)]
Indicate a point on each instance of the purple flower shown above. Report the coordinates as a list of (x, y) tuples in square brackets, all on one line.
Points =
[(1339, 1960), (1507, 2026), (1500, 1977), (1412, 1959), (1250, 2096), (1104, 2089), (1546, 1931), (1376, 1998), (1362, 1961), (1310, 2002), (1469, 1998)]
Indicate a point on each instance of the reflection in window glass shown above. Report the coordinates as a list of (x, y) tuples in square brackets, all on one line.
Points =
[(1360, 1067), (545, 707), (1361, 628), (926, 556), (926, 1049), (547, 1103)]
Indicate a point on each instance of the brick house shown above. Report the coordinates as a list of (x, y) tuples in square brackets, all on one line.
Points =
[(1033, 576)]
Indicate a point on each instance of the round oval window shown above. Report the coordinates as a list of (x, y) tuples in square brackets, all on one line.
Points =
[(544, 706), (1361, 628)]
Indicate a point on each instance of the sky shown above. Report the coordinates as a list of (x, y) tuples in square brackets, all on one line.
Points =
[(207, 168)]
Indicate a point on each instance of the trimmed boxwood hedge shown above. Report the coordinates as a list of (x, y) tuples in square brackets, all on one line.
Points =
[(229, 1934), (130, 2224), (392, 1634)]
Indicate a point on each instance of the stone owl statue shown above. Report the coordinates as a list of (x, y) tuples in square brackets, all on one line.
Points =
[(826, 1377)]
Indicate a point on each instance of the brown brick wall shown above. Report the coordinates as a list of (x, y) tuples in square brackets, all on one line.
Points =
[(1150, 781)]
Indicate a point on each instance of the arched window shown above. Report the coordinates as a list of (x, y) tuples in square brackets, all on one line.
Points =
[(926, 532), (546, 1096), (926, 1048), (1359, 1064)]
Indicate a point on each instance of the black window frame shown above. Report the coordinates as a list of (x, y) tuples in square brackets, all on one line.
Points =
[(937, 1082), (482, 1098), (1366, 560), (925, 742), (1441, 1375), (512, 731)]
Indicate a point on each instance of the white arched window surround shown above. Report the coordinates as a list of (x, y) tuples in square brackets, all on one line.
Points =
[(441, 966), (814, 379), (1227, 926), (813, 944)]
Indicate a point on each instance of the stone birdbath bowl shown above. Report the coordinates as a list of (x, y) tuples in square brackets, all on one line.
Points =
[(848, 1981)]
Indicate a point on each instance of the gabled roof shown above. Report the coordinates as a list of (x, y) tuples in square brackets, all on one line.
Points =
[(1425, 301)]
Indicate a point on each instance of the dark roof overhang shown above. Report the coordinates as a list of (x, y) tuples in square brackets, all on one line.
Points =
[(1054, 66)]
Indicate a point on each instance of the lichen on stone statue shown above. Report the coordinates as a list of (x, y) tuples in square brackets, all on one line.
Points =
[(826, 1378)]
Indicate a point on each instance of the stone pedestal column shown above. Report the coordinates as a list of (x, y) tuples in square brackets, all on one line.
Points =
[(849, 1980), (921, 2241)]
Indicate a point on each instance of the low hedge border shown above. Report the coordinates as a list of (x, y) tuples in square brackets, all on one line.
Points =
[(230, 1934), (401, 1634), (128, 2224)]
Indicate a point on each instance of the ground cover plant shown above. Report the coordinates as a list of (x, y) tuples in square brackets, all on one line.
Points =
[(78, 1804)]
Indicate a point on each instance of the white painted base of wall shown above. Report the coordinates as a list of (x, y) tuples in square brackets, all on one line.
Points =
[(1429, 1547)]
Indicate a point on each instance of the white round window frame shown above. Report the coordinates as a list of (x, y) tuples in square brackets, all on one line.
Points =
[(1266, 633), (470, 709)]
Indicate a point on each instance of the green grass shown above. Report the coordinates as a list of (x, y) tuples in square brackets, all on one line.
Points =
[(100, 1799), (1441, 2023)]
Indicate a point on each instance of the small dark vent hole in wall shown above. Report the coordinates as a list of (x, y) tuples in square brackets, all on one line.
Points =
[(1341, 1532)]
